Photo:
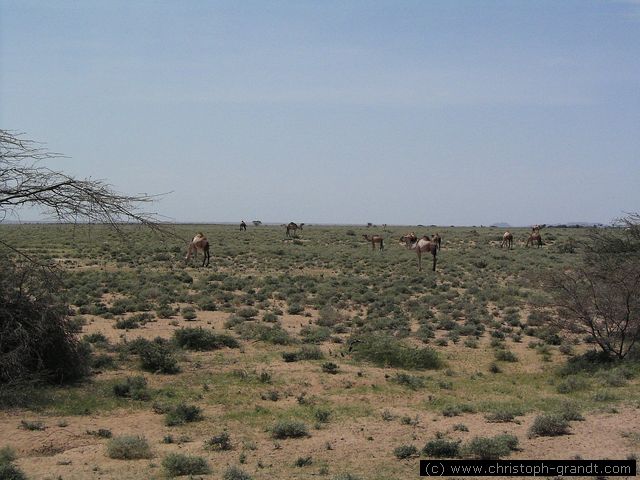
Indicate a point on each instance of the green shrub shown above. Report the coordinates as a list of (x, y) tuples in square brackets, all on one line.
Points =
[(385, 350), (549, 425), (128, 447), (295, 309), (247, 312), (572, 384), (183, 413), (289, 429), (156, 357), (133, 387), (322, 415), (203, 340), (411, 381), (8, 471), (505, 356), (219, 442), (189, 313), (442, 448), (570, 411), (7, 455), (303, 462), (235, 473), (490, 448), (126, 324), (330, 367), (405, 451), (177, 464), (309, 352)]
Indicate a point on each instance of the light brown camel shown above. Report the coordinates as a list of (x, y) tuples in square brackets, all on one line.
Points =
[(375, 239), (198, 244), (507, 240), (424, 244), (534, 238), (243, 226), (292, 227)]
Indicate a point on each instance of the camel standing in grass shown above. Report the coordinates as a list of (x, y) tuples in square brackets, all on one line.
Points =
[(507, 239), (534, 238), (292, 227), (437, 239), (243, 226), (424, 244), (198, 244), (375, 239)]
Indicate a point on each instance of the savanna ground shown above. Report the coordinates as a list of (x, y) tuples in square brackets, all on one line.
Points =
[(355, 351)]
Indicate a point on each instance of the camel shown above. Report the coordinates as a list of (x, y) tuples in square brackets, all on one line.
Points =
[(243, 226), (535, 238), (437, 239), (292, 227), (424, 244), (199, 243), (375, 239), (537, 228), (507, 239)]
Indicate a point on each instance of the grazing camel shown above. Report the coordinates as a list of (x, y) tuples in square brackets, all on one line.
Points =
[(243, 226), (199, 243), (292, 227), (535, 238), (437, 239), (424, 244), (507, 239), (375, 239)]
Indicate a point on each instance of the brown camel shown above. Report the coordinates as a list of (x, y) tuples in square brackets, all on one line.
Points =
[(507, 239), (198, 244), (437, 239), (243, 226), (375, 239), (535, 238), (424, 244), (292, 227)]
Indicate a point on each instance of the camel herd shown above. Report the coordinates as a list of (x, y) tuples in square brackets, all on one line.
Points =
[(425, 244)]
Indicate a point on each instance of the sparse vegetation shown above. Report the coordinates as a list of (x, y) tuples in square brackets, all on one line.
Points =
[(128, 447)]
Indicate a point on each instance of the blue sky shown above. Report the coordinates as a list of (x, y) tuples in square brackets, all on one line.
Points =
[(401, 112)]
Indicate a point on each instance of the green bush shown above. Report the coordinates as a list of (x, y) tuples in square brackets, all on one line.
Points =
[(8, 471), (385, 350), (177, 464), (490, 448), (506, 356), (411, 381), (405, 451), (235, 473), (132, 387), (442, 448), (183, 413), (289, 429), (157, 357), (128, 447), (203, 340), (219, 442), (549, 425), (330, 367)]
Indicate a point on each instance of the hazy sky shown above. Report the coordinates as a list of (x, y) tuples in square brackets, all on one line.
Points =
[(445, 112)]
